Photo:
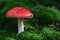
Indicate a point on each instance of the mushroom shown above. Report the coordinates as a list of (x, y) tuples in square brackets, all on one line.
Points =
[(20, 13)]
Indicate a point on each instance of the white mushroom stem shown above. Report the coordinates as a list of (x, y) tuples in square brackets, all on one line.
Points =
[(20, 26)]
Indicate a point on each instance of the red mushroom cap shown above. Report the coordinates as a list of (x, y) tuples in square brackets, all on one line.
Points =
[(19, 12)]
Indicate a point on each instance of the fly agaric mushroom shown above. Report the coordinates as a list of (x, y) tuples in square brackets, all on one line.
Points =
[(20, 13)]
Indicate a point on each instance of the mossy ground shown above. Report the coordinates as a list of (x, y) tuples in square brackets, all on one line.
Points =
[(43, 14)]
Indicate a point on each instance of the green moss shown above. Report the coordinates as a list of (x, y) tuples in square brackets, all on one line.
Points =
[(30, 36), (50, 34), (43, 15)]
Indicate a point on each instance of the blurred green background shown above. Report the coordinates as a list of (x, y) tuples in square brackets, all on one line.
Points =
[(45, 25)]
